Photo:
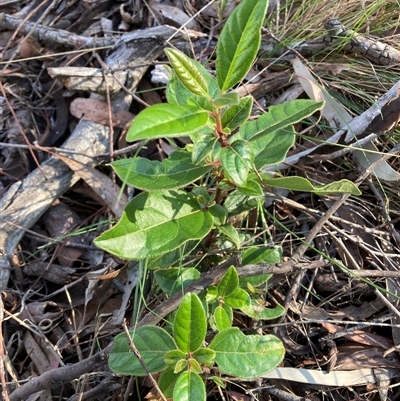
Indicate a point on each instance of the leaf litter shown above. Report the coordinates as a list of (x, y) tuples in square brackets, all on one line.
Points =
[(59, 309)]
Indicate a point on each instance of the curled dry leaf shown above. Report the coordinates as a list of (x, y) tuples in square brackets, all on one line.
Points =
[(97, 111), (54, 273), (40, 311)]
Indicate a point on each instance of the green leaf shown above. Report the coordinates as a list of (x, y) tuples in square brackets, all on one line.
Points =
[(259, 312), (302, 184), (177, 171), (239, 42), (180, 365), (229, 282), (166, 121), (273, 147), (174, 257), (254, 281), (251, 188), (261, 254), (152, 342), (189, 387), (231, 232), (238, 299), (204, 147), (226, 99), (218, 381), (237, 203), (278, 117), (173, 280), (156, 223), (204, 356), (218, 213), (234, 116), (212, 293), (167, 380), (187, 72), (190, 324), (246, 356), (194, 366), (174, 356), (177, 93), (237, 161), (221, 318), (272, 134), (338, 187)]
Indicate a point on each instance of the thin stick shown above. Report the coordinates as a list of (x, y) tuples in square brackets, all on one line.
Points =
[(140, 359)]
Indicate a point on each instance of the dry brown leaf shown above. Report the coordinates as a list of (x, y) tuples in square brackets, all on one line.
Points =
[(60, 220), (108, 191), (366, 357), (360, 336), (173, 15), (54, 273), (97, 111)]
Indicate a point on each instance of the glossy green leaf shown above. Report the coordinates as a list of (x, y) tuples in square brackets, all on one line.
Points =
[(172, 357), (230, 232), (194, 366), (226, 99), (152, 342), (167, 380), (172, 258), (338, 187), (212, 293), (204, 356), (177, 93), (251, 188), (260, 312), (180, 365), (190, 324), (238, 299), (256, 255), (221, 318), (219, 214), (272, 148), (246, 356), (218, 381), (186, 70), (278, 117), (239, 42), (203, 148), (189, 387), (302, 184), (156, 223), (261, 254), (177, 171), (165, 121), (173, 280), (229, 282), (237, 161), (234, 116), (236, 203)]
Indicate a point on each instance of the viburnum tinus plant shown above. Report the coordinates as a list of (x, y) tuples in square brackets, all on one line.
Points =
[(186, 205)]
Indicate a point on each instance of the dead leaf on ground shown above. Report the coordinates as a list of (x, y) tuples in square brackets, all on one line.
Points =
[(97, 111)]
